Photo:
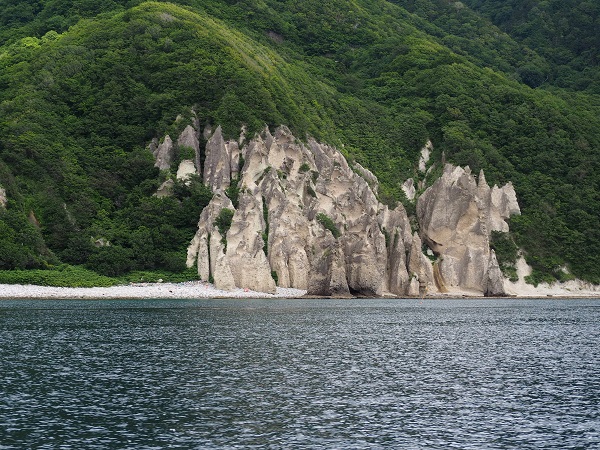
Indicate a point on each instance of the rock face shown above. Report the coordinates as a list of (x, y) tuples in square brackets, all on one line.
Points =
[(420, 267), (425, 154), (493, 285), (409, 189), (209, 248), (247, 260), (163, 153), (306, 219), (186, 169), (217, 165), (457, 215), (189, 138), (3, 198), (165, 189)]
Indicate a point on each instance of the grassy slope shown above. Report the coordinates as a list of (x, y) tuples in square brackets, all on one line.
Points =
[(78, 108)]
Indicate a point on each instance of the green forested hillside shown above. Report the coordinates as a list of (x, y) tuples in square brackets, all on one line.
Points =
[(564, 32), (85, 85)]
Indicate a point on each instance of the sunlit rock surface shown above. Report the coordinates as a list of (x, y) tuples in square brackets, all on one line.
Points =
[(163, 153), (189, 139), (457, 215), (3, 197), (305, 219)]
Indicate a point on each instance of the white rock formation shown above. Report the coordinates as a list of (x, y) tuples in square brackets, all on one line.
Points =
[(189, 138), (247, 260), (3, 197), (493, 284), (186, 169), (286, 188), (409, 189), (368, 176), (457, 216), (308, 220), (217, 164), (208, 248), (163, 153), (425, 155), (420, 267)]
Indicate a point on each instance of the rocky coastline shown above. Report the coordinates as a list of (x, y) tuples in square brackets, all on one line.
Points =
[(205, 290), (304, 217), (186, 290), (290, 219)]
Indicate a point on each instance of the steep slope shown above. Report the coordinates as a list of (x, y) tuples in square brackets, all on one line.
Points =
[(80, 104), (563, 32), (79, 108)]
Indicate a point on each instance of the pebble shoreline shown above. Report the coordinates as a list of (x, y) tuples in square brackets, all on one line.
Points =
[(186, 290), (201, 289)]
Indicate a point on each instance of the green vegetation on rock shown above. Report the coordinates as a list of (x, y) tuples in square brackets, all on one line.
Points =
[(223, 221), (506, 253), (329, 224), (86, 85)]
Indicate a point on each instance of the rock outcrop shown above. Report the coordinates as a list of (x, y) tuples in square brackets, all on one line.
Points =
[(420, 267), (165, 189), (3, 198), (457, 215), (409, 189), (186, 169), (163, 153), (209, 249), (189, 139), (493, 285), (425, 155), (247, 260), (305, 219), (217, 165)]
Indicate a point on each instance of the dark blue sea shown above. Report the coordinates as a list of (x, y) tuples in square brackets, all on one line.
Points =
[(300, 374)]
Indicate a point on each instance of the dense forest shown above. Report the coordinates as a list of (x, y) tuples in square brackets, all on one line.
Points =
[(509, 87)]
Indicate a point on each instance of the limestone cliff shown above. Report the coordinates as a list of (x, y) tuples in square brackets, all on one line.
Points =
[(163, 153), (304, 216), (307, 219), (189, 138), (457, 215)]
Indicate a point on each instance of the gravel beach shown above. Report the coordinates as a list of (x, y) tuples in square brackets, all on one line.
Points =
[(190, 289), (201, 289)]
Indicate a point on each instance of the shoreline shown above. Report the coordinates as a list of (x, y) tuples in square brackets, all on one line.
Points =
[(205, 290), (140, 291)]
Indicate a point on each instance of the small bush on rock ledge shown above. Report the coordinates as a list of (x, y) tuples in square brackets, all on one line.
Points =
[(328, 223), (223, 221)]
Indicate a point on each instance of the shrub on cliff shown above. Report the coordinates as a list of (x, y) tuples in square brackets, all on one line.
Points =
[(329, 224)]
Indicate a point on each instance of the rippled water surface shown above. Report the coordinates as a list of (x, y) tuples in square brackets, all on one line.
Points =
[(300, 374)]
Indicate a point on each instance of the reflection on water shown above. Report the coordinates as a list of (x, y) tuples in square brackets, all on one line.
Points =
[(300, 374)]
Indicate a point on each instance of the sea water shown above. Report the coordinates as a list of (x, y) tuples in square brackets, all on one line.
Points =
[(346, 374)]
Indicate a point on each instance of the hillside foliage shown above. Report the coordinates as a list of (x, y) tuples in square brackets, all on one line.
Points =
[(85, 85)]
